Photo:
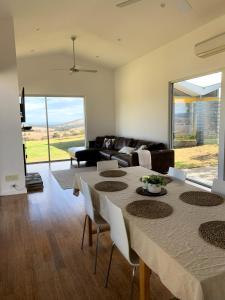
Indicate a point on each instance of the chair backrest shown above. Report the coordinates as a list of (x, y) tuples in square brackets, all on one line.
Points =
[(107, 165), (176, 173), (118, 231), (218, 187), (85, 189)]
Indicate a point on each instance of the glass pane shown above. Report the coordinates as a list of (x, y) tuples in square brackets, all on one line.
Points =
[(196, 117), (36, 139), (66, 125)]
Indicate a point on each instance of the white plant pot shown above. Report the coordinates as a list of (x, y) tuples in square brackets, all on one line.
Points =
[(145, 185), (153, 188)]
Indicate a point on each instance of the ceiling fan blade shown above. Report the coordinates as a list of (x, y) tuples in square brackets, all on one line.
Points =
[(59, 69), (86, 70), (126, 3), (74, 67)]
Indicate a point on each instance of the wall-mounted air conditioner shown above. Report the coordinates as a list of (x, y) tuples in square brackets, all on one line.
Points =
[(211, 46)]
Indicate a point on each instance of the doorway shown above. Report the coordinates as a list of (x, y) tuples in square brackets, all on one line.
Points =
[(196, 108), (58, 123)]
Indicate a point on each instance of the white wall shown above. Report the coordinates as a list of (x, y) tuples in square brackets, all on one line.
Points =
[(37, 76), (141, 87), (11, 156)]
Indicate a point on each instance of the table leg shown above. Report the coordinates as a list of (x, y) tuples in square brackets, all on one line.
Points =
[(144, 281), (89, 231)]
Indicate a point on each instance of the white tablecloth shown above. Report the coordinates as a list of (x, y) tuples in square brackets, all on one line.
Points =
[(188, 266)]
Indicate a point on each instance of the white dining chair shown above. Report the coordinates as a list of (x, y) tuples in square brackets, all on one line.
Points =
[(119, 236), (177, 173), (93, 215), (218, 187), (107, 165)]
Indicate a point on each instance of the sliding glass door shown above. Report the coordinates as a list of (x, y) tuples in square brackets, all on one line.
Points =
[(36, 141), (195, 126), (66, 125), (57, 124)]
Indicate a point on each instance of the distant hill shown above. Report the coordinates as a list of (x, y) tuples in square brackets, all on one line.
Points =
[(69, 125)]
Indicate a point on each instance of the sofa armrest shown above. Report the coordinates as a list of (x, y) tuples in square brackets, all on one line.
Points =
[(134, 159), (162, 160)]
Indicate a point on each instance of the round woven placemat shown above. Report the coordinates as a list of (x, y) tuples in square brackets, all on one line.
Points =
[(149, 209), (166, 178), (145, 192), (113, 173), (201, 198), (110, 186), (213, 232)]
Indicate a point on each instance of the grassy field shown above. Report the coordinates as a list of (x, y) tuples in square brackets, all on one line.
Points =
[(194, 157), (37, 151)]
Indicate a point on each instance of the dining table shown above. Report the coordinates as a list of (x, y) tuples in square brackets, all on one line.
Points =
[(171, 247)]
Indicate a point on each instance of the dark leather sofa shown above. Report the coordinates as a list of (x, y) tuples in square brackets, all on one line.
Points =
[(162, 158)]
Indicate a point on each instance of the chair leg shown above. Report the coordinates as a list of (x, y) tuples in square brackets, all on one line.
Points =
[(132, 282), (82, 242), (109, 266), (96, 250)]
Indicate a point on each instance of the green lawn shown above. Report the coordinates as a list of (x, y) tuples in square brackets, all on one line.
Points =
[(195, 157), (37, 151)]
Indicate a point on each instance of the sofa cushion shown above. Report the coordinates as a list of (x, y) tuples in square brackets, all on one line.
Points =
[(156, 146), (121, 142), (108, 143), (106, 154), (124, 160), (127, 150), (100, 140), (142, 147), (151, 146)]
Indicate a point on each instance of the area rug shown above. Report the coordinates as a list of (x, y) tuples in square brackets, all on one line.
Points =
[(66, 178)]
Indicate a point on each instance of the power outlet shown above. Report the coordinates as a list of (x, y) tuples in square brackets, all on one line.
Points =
[(12, 177)]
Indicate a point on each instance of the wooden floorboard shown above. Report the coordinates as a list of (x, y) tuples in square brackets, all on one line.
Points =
[(40, 255)]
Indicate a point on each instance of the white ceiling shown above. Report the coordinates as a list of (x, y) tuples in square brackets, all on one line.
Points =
[(99, 24)]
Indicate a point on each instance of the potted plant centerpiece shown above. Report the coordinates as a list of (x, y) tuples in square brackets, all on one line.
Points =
[(144, 179), (153, 183)]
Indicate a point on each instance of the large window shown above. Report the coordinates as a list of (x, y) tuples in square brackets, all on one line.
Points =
[(58, 123), (195, 126)]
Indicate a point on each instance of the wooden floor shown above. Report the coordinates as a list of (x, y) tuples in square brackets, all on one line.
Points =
[(40, 256)]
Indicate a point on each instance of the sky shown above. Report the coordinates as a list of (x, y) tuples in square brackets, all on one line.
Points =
[(203, 81), (207, 80), (60, 110)]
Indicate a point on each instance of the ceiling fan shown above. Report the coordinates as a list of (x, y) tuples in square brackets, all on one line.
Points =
[(75, 68), (184, 5), (126, 3)]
